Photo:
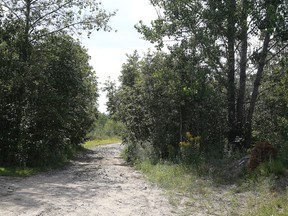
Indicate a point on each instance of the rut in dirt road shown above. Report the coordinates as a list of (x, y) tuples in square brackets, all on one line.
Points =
[(97, 183)]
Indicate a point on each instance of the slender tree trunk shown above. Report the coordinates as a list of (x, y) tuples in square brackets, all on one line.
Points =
[(26, 45), (257, 82), (21, 89), (243, 66), (231, 31)]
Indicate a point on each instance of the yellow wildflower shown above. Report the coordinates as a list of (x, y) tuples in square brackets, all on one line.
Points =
[(184, 144), (197, 138), (189, 136)]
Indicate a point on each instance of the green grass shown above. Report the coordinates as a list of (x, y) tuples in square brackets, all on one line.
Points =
[(275, 205), (169, 176), (18, 172), (183, 183), (93, 143), (180, 183)]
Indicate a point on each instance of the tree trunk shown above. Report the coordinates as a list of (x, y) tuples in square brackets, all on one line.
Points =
[(26, 45), (257, 82), (231, 31), (243, 65), (21, 88)]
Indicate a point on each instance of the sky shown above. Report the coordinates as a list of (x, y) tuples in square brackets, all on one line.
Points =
[(108, 49)]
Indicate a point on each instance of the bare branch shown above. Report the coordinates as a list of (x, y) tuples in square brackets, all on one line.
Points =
[(275, 54), (10, 9), (49, 13)]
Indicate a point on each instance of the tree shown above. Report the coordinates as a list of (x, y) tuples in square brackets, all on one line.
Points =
[(271, 115), (59, 106), (49, 90), (42, 17), (160, 99), (224, 32)]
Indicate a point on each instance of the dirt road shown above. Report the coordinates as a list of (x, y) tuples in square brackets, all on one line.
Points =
[(97, 183)]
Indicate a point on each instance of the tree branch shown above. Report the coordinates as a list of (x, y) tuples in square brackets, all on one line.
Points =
[(275, 54), (51, 12), (10, 9)]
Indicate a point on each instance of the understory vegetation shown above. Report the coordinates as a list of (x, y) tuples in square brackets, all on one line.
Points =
[(20, 171), (202, 190)]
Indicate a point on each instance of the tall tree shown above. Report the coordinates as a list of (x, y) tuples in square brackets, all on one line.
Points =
[(59, 102), (43, 17), (235, 38), (231, 90), (243, 38), (29, 27), (270, 24)]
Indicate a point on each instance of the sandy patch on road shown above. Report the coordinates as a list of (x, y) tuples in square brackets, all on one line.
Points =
[(96, 183)]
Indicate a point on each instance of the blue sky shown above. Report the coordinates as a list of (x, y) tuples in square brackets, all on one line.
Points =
[(108, 49)]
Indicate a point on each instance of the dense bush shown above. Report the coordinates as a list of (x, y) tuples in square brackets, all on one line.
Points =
[(161, 97), (47, 103)]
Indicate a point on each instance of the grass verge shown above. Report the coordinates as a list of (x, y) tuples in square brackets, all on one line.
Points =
[(169, 176), (18, 172), (275, 205), (93, 143), (190, 192)]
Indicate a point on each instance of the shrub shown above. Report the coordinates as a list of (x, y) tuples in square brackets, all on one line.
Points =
[(262, 152), (275, 166)]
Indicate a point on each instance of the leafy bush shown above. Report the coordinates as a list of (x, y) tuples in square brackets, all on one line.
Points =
[(271, 167)]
